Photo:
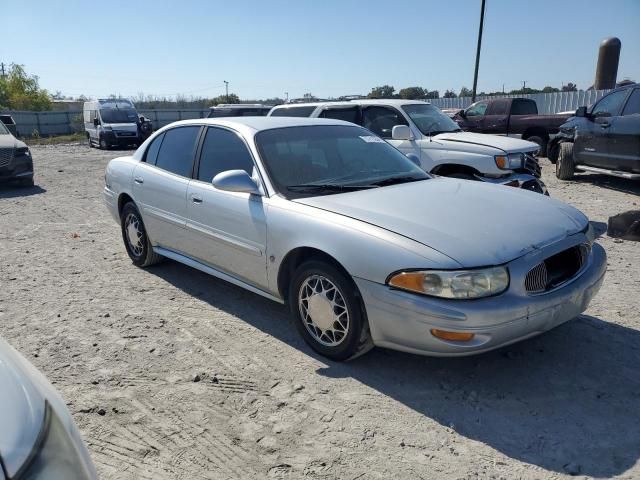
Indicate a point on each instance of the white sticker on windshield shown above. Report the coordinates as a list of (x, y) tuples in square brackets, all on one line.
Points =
[(371, 139)]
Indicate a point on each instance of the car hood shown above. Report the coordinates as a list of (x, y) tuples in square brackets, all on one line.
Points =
[(474, 223), (8, 141), (502, 143), (21, 410)]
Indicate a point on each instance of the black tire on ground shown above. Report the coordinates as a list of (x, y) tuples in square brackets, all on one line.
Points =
[(542, 143), (103, 144), (336, 295), (565, 166), (89, 141), (135, 237)]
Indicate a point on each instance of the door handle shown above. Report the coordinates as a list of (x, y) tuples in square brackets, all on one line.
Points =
[(196, 199), (139, 180), (605, 125)]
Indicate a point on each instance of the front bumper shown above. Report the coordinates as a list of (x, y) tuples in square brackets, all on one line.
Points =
[(519, 180), (19, 167), (111, 202), (403, 321), (116, 139)]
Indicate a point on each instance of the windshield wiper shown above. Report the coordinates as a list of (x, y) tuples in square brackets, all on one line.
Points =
[(397, 180), (327, 187)]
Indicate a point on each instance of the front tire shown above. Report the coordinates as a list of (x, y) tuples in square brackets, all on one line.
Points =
[(542, 143), (328, 312), (135, 237), (565, 166), (103, 144)]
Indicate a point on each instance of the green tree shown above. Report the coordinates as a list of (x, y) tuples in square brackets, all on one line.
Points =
[(21, 91), (449, 94), (465, 92), (433, 94), (570, 87), (232, 98), (385, 91), (412, 93), (548, 89)]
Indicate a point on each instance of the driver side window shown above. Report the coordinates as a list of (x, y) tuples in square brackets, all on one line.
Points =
[(477, 110), (381, 120), (610, 105)]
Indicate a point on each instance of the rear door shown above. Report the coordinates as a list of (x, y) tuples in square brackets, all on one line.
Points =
[(160, 186), (496, 117), (381, 120), (227, 230), (624, 148), (592, 144), (349, 113)]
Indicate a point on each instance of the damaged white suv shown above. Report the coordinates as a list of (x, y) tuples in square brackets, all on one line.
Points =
[(433, 140)]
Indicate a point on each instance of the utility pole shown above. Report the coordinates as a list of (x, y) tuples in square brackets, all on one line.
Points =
[(524, 85), (287, 94), (475, 74), (226, 86)]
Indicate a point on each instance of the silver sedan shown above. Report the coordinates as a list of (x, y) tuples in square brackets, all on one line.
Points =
[(365, 247)]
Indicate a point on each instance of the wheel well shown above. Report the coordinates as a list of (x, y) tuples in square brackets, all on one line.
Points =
[(123, 199), (536, 132), (449, 168), (297, 257)]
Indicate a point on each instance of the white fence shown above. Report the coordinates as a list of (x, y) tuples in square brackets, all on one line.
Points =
[(61, 123), (547, 102)]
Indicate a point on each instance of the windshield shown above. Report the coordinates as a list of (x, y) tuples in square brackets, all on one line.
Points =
[(118, 115), (3, 129), (319, 159), (429, 119)]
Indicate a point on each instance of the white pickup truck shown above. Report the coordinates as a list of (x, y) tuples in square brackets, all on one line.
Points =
[(432, 139)]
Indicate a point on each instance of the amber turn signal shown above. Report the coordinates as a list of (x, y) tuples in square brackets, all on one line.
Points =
[(502, 161), (452, 336)]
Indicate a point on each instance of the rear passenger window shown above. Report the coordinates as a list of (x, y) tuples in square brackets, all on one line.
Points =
[(381, 120), (223, 150), (633, 104), (477, 109), (350, 114), (177, 150), (524, 107), (152, 152), (293, 112)]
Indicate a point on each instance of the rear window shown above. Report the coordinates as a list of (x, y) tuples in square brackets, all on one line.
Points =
[(293, 111), (524, 107), (350, 114)]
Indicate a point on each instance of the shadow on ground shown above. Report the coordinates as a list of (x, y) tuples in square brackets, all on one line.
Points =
[(13, 191), (570, 396), (613, 183)]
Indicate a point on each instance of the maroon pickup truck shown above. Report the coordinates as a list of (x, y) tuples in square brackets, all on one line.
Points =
[(511, 116)]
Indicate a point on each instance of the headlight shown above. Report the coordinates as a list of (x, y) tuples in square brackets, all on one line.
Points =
[(23, 151), (513, 161), (458, 284), (54, 456)]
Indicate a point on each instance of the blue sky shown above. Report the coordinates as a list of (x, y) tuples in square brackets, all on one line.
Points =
[(328, 47)]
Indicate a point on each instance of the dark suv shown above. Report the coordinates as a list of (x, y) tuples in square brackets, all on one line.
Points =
[(16, 163), (604, 138)]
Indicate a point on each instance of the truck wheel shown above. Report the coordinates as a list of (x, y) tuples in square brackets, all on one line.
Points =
[(565, 166), (542, 143), (103, 144), (89, 141)]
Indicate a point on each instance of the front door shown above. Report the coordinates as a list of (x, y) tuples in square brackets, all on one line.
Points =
[(160, 186), (624, 149), (227, 230)]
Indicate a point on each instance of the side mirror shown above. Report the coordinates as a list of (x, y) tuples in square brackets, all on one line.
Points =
[(236, 181), (401, 132), (581, 112), (414, 158), (96, 121)]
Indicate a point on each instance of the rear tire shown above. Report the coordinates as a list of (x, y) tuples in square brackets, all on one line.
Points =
[(328, 312), (565, 166), (542, 143), (135, 238), (89, 141)]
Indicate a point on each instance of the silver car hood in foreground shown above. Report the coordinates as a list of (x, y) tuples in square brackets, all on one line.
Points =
[(474, 223)]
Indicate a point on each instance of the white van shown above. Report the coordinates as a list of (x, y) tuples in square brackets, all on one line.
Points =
[(111, 122)]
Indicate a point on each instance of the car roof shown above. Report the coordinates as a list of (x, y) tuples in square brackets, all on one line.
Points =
[(373, 101), (256, 124), (241, 105)]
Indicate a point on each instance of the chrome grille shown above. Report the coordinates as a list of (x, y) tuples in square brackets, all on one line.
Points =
[(531, 165), (557, 269), (6, 155)]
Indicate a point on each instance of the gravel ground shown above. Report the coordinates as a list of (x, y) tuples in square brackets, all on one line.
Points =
[(170, 373)]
